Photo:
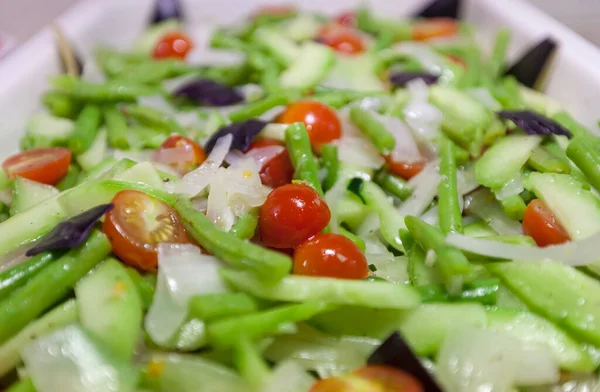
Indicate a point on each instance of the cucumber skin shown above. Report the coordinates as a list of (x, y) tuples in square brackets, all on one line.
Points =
[(27, 194), (311, 65)]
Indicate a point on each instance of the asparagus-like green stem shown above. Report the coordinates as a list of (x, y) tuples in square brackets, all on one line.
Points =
[(212, 306), (331, 164), (373, 129), (449, 213), (85, 129), (586, 156), (303, 160), (245, 226)]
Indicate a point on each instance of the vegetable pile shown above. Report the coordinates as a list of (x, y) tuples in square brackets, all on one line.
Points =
[(301, 203)]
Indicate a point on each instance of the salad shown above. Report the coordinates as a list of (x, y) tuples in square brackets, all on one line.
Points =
[(301, 203)]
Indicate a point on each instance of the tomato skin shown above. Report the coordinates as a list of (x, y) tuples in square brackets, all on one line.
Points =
[(434, 28), (45, 165), (321, 121), (278, 170), (292, 214), (136, 226), (342, 39), (541, 224), (330, 255), (275, 10), (372, 378), (174, 44), (347, 19), (405, 170), (195, 153)]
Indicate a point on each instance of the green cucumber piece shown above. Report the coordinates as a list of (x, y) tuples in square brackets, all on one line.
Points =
[(504, 159), (359, 321), (101, 170), (383, 295), (391, 222), (250, 364), (301, 28), (543, 161), (310, 66), (143, 172), (110, 307), (356, 73), (46, 130), (560, 293), (281, 48), (479, 229), (27, 193), (539, 102), (95, 154), (530, 328)]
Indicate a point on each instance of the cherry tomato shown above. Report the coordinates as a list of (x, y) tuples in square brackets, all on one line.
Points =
[(330, 255), (275, 10), (321, 121), (342, 39), (278, 170), (173, 45), (406, 170), (181, 153), (434, 28), (292, 214), (136, 226), (347, 19), (374, 378), (541, 224), (45, 165)]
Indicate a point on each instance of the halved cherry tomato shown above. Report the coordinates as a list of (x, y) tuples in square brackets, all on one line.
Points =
[(136, 226), (275, 10), (433, 28), (321, 121), (347, 19), (330, 255), (181, 153), (278, 170), (541, 224), (373, 378), (173, 45), (292, 214), (342, 39), (406, 170), (45, 165)]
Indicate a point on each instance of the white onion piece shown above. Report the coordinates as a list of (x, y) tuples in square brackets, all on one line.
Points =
[(483, 204), (423, 118), (195, 181), (431, 216), (200, 204), (207, 56), (432, 61), (425, 185), (466, 180), (360, 152), (288, 376), (6, 196), (406, 148), (183, 271), (251, 91), (272, 113), (262, 155), (538, 366), (511, 188), (348, 127), (483, 96), (15, 257), (274, 131), (157, 102), (174, 155), (369, 103)]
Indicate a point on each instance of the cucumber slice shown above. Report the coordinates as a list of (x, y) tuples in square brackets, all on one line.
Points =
[(46, 130), (391, 222), (149, 39), (560, 293), (27, 193), (504, 159), (577, 209), (100, 170), (311, 65), (382, 295), (253, 368), (539, 102), (143, 172), (359, 321), (110, 307), (530, 328), (301, 28), (283, 49), (95, 154), (355, 73)]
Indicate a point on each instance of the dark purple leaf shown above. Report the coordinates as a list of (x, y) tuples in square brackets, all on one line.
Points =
[(440, 9), (534, 123), (243, 133), (72, 232), (528, 69), (400, 79), (396, 353), (209, 93), (166, 9)]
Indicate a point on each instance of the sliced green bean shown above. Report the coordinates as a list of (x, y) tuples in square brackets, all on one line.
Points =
[(544, 161), (85, 129), (212, 306), (70, 180), (331, 164), (116, 128), (12, 279), (354, 238), (498, 60), (259, 107), (587, 158), (245, 227), (154, 118), (266, 263), (514, 207), (61, 105), (303, 160), (368, 123), (50, 285), (483, 291), (25, 385), (392, 184), (449, 212), (250, 363), (100, 93), (576, 129), (148, 72)]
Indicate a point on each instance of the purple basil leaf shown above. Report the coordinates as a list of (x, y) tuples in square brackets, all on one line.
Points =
[(396, 353), (528, 69), (440, 9), (400, 79), (243, 133), (72, 232), (534, 123), (166, 9), (209, 93)]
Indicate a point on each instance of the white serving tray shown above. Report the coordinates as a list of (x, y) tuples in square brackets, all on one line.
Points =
[(573, 80)]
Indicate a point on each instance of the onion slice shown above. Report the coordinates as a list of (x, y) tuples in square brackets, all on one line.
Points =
[(425, 185)]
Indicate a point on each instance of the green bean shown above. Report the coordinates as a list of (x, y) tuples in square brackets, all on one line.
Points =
[(154, 119), (144, 287), (577, 130), (303, 160), (61, 105), (259, 107), (392, 184), (70, 180), (498, 60), (141, 137), (507, 92), (113, 63), (17, 276), (449, 212), (149, 72), (100, 93), (250, 364), (451, 262), (50, 285), (25, 385), (368, 123), (483, 291), (473, 73), (245, 227), (268, 68), (212, 306), (384, 40), (224, 333), (85, 129), (587, 158), (116, 128), (514, 207), (544, 161), (354, 238), (333, 100), (268, 264), (331, 164)]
